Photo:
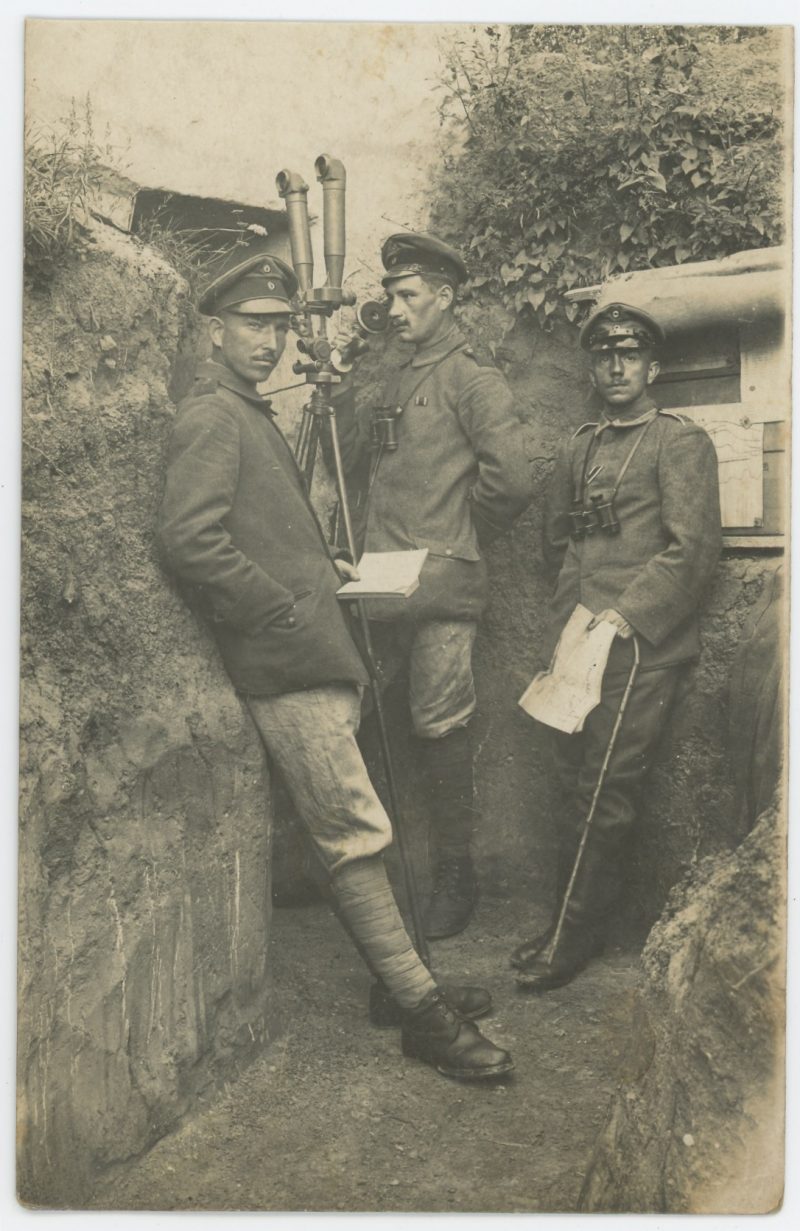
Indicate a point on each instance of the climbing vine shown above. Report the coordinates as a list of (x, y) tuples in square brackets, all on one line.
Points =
[(578, 152)]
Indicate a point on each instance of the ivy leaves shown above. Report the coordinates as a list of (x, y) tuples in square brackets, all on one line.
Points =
[(598, 150)]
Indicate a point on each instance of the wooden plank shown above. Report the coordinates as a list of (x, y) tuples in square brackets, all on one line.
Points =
[(764, 541), (727, 412), (765, 369), (740, 450), (775, 491), (776, 437), (739, 442)]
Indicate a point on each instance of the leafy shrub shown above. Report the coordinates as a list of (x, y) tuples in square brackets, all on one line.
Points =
[(585, 151)]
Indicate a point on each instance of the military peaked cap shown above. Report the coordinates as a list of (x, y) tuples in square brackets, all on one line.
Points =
[(408, 253), (249, 278), (618, 326)]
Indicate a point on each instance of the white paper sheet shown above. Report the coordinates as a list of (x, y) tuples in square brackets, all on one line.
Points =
[(565, 694)]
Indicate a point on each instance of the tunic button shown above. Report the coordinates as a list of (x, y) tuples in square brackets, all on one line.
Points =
[(448, 552)]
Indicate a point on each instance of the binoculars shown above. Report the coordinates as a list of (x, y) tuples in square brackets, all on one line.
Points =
[(383, 427), (602, 516)]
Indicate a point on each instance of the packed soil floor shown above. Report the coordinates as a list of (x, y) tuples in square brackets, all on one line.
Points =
[(332, 1117)]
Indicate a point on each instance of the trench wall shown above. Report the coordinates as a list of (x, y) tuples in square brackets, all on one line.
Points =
[(144, 835)]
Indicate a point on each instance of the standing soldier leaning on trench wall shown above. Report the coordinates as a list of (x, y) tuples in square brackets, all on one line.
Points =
[(239, 531)]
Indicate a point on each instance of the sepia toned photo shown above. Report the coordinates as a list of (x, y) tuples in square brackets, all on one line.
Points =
[(404, 617)]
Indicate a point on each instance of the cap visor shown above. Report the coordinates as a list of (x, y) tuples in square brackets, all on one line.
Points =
[(396, 274), (259, 307), (621, 344)]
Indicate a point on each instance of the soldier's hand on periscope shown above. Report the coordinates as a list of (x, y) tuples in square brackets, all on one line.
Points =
[(347, 349), (342, 339), (624, 629), (347, 571)]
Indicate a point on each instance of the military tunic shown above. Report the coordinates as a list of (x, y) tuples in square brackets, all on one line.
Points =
[(653, 572), (655, 569), (459, 477), (238, 529)]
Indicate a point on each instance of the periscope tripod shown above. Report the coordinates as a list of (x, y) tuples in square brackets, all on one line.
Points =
[(322, 369)]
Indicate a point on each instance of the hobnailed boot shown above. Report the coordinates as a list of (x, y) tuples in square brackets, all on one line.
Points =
[(434, 1033), (470, 1002), (453, 898)]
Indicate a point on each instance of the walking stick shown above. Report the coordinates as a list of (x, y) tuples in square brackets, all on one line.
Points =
[(317, 305), (634, 671)]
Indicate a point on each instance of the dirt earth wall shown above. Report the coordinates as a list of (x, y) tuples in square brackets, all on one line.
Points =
[(698, 1122), (697, 1125), (144, 838)]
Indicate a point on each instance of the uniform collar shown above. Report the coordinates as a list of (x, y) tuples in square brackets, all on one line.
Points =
[(451, 341), (649, 412), (221, 374)]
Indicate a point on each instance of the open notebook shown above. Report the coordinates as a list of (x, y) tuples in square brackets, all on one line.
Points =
[(386, 574)]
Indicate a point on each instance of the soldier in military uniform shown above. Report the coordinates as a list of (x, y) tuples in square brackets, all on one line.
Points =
[(239, 531), (633, 526), (448, 471)]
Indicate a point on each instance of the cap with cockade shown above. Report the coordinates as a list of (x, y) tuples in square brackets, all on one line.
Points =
[(618, 326), (408, 253), (249, 279)]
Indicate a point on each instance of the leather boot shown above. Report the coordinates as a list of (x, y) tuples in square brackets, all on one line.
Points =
[(582, 937), (577, 945), (453, 899), (526, 955), (470, 1002), (529, 950), (448, 770), (434, 1033)]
